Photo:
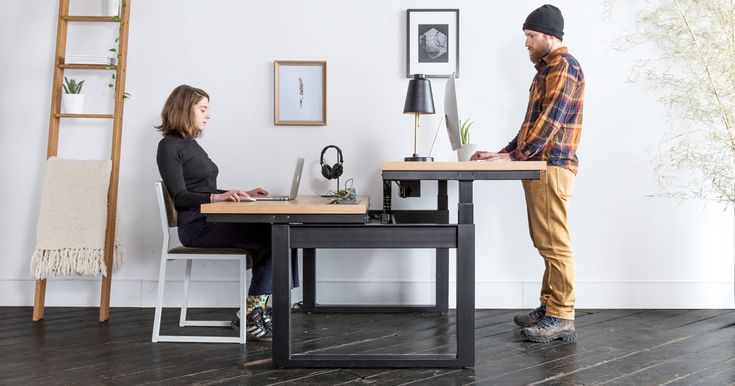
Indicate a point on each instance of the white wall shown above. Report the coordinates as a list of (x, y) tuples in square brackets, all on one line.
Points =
[(633, 248)]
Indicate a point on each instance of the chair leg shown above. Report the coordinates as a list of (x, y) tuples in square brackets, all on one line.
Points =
[(185, 298), (243, 326), (157, 337), (159, 300)]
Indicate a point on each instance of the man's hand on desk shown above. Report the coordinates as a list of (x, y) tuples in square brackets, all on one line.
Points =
[(490, 156)]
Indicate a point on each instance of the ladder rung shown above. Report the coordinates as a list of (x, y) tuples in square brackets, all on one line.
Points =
[(98, 19), (89, 66), (104, 116)]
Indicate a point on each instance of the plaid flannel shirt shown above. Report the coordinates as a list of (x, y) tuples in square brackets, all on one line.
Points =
[(553, 124)]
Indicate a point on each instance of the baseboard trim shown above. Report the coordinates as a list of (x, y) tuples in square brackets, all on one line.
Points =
[(512, 295)]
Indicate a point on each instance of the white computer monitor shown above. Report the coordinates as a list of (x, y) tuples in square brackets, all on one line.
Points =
[(451, 113)]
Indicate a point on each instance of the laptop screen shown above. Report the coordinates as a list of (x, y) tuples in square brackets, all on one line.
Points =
[(296, 178)]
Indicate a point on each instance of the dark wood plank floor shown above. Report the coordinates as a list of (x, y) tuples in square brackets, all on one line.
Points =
[(617, 347)]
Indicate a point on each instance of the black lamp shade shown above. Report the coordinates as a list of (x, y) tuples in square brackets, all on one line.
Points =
[(419, 98)]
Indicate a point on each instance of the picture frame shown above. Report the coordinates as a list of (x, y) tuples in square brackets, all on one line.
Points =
[(432, 42), (300, 90)]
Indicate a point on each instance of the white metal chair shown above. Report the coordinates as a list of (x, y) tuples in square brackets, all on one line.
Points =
[(173, 250)]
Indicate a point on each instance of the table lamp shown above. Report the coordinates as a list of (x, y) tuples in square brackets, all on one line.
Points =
[(419, 100)]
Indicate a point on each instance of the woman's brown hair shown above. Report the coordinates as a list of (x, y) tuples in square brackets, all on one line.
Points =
[(176, 116)]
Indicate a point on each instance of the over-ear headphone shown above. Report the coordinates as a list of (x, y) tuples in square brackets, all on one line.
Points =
[(334, 171)]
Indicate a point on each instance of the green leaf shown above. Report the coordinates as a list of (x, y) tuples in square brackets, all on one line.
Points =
[(464, 131), (72, 86)]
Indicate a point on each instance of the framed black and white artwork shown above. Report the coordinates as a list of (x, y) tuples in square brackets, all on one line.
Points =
[(432, 42), (300, 93)]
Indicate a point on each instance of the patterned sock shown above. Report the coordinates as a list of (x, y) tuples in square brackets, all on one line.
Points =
[(255, 301)]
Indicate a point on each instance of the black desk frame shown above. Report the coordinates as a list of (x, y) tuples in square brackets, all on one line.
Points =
[(309, 232)]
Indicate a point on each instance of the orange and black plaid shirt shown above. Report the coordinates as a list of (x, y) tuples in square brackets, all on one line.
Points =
[(553, 124)]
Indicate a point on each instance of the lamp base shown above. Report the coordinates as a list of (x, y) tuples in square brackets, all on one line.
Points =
[(417, 158)]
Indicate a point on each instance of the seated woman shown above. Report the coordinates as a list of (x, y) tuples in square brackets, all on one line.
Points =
[(191, 178)]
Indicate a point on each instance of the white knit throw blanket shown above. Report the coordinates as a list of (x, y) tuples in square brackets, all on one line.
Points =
[(70, 238)]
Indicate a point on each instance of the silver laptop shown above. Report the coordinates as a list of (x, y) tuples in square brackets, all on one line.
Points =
[(294, 185)]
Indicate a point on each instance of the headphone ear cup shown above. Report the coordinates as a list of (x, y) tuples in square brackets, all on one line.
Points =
[(327, 172), (336, 170)]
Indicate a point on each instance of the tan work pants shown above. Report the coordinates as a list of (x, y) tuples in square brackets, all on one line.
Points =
[(547, 200)]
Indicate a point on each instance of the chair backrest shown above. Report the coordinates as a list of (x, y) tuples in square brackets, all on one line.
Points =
[(167, 213), (166, 204)]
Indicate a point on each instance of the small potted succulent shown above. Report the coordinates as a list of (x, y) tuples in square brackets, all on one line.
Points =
[(73, 99), (465, 152)]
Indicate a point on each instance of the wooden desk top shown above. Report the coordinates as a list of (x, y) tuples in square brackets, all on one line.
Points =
[(301, 205), (465, 166)]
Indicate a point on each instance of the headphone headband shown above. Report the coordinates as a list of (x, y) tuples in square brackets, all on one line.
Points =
[(340, 159)]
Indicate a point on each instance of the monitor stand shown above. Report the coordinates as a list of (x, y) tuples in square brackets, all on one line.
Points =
[(417, 158)]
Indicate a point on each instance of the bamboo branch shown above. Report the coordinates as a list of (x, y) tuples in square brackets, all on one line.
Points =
[(713, 87)]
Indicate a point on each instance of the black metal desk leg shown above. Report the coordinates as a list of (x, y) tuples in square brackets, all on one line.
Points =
[(442, 280), (442, 199), (309, 289), (387, 201), (466, 295), (280, 241), (465, 276), (464, 208), (442, 255)]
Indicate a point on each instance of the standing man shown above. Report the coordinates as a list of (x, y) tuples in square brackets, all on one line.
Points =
[(550, 132)]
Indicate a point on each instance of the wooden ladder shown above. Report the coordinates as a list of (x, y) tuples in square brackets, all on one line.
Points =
[(117, 120)]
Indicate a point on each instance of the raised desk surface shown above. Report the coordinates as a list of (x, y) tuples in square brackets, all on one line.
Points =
[(301, 205), (466, 165)]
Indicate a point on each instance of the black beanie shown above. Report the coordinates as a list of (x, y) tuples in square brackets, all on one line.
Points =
[(546, 19)]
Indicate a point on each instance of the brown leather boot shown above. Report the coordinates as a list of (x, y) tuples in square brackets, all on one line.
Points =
[(529, 319), (550, 328)]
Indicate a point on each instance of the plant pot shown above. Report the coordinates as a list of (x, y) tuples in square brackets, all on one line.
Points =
[(73, 103), (466, 151), (113, 7)]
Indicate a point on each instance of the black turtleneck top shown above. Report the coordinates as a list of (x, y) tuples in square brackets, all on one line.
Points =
[(188, 173)]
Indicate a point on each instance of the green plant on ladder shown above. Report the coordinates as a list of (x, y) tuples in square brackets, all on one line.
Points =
[(72, 87), (115, 51)]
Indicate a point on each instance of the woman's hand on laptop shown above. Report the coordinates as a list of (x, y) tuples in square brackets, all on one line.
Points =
[(237, 195), (257, 192), (230, 195)]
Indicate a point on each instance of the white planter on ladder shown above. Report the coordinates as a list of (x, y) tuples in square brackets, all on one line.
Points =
[(73, 103), (113, 7)]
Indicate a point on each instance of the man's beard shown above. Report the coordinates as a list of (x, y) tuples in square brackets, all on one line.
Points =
[(537, 54)]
